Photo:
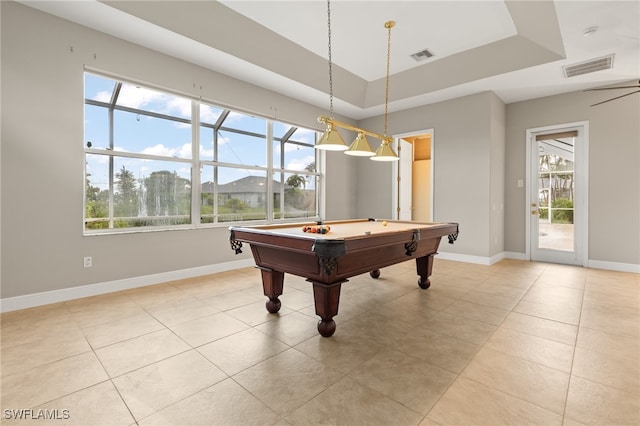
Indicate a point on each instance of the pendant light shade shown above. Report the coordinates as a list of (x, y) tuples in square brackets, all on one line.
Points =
[(360, 147), (331, 140), (385, 153)]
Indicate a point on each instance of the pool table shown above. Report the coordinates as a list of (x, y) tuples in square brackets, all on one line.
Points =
[(348, 248)]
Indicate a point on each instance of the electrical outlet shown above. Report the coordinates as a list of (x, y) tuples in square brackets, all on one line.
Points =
[(88, 262)]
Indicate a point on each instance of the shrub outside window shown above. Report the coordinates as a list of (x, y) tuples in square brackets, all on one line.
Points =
[(147, 168)]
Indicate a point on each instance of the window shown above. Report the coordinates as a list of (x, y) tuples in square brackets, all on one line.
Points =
[(146, 167), (296, 181)]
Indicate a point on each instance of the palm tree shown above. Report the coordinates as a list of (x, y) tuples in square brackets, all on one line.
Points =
[(296, 181)]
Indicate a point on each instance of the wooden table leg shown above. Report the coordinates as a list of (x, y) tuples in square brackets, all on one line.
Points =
[(424, 266), (327, 298), (272, 284)]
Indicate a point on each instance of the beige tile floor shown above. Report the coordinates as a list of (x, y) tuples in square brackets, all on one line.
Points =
[(514, 343)]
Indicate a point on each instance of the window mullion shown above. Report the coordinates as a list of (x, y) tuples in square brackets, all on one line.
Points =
[(111, 167), (282, 175), (196, 166), (216, 199), (270, 194)]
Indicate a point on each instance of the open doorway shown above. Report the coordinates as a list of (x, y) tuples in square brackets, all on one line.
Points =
[(414, 189)]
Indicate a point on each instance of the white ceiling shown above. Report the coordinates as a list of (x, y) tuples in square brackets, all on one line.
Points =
[(359, 38), (515, 48)]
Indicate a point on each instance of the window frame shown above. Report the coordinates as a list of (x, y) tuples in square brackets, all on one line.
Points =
[(270, 170)]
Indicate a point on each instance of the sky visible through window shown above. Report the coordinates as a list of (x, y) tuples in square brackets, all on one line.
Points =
[(140, 133)]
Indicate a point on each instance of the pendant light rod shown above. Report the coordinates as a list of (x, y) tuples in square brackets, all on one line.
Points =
[(327, 120), (388, 25)]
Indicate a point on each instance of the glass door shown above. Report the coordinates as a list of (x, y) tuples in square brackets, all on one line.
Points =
[(554, 197)]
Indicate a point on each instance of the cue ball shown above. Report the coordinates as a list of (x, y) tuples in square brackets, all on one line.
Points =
[(384, 223)]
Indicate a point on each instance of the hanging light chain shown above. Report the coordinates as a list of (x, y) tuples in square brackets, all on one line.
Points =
[(331, 139), (330, 62), (388, 25)]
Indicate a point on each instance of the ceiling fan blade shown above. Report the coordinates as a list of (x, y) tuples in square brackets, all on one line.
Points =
[(617, 97), (613, 88)]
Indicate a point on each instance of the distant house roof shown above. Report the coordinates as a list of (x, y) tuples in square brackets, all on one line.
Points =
[(248, 184)]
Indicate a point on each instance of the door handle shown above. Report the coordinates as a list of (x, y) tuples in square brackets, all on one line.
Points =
[(535, 212)]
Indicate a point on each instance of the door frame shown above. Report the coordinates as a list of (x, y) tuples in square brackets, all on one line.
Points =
[(397, 192), (581, 206)]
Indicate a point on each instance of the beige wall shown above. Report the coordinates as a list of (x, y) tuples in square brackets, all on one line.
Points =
[(496, 176), (614, 169), (466, 142), (42, 156)]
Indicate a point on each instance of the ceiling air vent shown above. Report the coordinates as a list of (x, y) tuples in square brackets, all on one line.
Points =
[(589, 66), (422, 55)]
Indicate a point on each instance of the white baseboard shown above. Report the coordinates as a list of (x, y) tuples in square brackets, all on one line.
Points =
[(55, 296), (497, 258), (614, 266), (480, 260), (515, 255), (595, 264)]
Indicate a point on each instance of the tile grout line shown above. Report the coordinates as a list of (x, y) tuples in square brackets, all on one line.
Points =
[(459, 375), (573, 357)]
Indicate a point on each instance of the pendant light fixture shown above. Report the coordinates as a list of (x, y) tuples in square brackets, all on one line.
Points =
[(332, 140), (360, 146)]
